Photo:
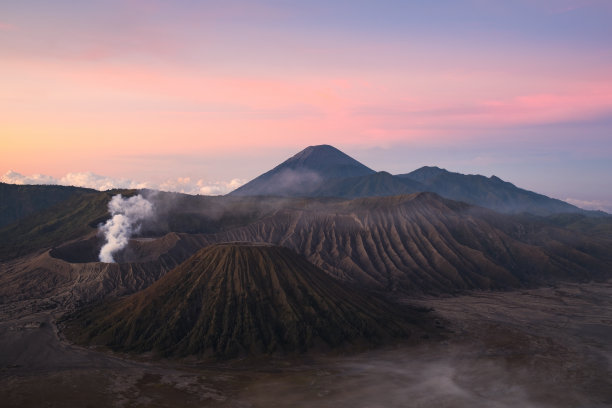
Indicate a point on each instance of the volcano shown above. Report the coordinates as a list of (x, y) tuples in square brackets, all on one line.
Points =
[(324, 171), (238, 299), (303, 173)]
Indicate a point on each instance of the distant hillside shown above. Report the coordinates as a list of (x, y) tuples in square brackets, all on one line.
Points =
[(243, 299), (18, 201), (304, 172), (490, 192), (372, 185), (599, 227), (81, 214), (74, 217)]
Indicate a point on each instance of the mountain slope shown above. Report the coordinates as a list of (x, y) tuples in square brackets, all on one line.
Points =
[(304, 172), (424, 243), (77, 216), (413, 243), (372, 185), (17, 201), (240, 298), (490, 192)]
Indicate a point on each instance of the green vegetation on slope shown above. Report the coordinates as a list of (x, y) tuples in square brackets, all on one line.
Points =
[(69, 219), (17, 201)]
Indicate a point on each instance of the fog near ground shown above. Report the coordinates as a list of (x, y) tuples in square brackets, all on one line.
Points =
[(411, 378), (538, 348)]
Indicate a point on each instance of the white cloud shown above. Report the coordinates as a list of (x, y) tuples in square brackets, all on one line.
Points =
[(91, 180), (12, 177), (591, 205), (98, 182), (187, 186)]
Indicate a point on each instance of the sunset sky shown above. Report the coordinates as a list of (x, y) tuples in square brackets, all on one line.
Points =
[(209, 94)]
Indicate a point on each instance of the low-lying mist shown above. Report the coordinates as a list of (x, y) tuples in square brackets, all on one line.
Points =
[(441, 376)]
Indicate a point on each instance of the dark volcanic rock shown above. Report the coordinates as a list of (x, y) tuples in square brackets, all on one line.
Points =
[(425, 243), (235, 299)]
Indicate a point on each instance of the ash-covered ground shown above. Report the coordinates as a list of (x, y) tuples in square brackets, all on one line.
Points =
[(548, 347)]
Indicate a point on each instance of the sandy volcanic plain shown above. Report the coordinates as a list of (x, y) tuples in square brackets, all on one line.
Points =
[(546, 347)]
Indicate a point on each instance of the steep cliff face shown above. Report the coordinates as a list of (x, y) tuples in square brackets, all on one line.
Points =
[(244, 299), (424, 243)]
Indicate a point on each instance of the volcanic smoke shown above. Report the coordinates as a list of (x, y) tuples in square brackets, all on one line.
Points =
[(127, 213)]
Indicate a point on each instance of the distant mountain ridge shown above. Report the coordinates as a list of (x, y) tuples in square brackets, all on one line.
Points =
[(491, 192), (324, 171)]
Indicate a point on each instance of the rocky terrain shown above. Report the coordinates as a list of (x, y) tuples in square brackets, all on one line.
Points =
[(239, 299), (424, 243), (412, 244)]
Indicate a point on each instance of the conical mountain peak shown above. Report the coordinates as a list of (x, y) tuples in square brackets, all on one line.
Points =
[(328, 161), (244, 299), (305, 172)]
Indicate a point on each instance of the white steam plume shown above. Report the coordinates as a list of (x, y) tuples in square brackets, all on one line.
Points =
[(126, 215)]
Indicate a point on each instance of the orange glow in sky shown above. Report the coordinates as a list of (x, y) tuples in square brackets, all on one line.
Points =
[(85, 87)]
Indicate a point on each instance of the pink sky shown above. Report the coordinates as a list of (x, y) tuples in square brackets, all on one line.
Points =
[(84, 87)]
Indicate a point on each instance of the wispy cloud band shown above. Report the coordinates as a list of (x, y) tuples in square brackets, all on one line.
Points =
[(91, 180)]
